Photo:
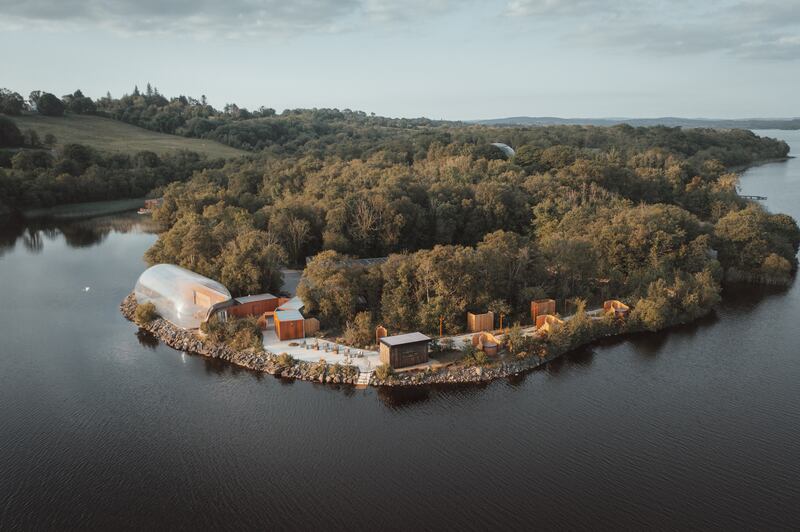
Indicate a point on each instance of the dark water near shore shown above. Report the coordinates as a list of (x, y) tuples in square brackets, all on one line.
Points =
[(102, 428)]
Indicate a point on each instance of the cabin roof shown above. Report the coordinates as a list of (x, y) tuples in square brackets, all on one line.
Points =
[(255, 297), (293, 304), (401, 339), (288, 315)]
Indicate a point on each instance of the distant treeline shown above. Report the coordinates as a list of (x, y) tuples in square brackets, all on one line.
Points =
[(669, 121)]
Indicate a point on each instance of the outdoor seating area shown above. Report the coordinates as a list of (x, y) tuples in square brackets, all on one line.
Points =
[(314, 349)]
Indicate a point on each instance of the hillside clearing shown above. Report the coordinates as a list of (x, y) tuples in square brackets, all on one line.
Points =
[(109, 135)]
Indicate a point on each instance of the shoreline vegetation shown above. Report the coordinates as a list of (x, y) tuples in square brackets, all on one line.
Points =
[(528, 354)]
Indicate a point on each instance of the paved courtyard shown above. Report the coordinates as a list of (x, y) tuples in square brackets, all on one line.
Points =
[(364, 360)]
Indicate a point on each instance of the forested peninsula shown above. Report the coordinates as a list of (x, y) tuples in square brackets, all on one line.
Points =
[(648, 215)]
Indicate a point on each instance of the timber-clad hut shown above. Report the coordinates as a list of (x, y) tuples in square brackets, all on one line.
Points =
[(404, 349), (255, 305), (480, 322), (289, 324), (541, 307)]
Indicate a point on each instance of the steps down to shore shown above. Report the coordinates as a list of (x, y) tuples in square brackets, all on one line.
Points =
[(363, 379)]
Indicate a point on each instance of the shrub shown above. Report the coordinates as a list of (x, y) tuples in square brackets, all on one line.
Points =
[(383, 372), (285, 360), (359, 331), (776, 267), (244, 339), (239, 334), (474, 357), (145, 313), (516, 342)]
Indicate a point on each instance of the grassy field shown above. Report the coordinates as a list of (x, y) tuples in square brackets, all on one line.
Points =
[(112, 136)]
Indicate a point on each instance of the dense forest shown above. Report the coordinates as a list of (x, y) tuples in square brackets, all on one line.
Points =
[(40, 176), (648, 214)]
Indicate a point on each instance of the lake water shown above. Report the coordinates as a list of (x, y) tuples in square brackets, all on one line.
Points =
[(104, 428)]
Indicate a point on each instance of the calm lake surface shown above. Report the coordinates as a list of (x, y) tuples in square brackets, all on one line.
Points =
[(104, 428)]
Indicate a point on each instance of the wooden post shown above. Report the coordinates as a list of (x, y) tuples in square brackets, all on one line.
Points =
[(441, 323)]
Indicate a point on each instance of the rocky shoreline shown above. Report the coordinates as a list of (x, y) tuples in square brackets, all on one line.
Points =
[(183, 340), (321, 372)]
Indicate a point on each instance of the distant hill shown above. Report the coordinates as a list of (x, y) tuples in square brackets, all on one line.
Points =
[(113, 136), (738, 123)]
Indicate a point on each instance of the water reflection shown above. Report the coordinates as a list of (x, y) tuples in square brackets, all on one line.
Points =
[(743, 297), (147, 339), (402, 396), (78, 233)]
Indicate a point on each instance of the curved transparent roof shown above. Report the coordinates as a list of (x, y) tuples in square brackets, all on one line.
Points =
[(181, 296), (505, 148)]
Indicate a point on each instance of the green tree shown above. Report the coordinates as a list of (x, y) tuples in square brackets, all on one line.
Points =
[(11, 103), (10, 135), (251, 263), (49, 105), (360, 331)]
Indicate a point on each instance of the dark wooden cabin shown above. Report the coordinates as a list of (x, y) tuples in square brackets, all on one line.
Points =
[(404, 349)]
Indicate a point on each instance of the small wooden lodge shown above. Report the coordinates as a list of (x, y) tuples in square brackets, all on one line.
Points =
[(480, 322), (255, 305), (404, 350), (289, 324), (541, 307), (617, 307)]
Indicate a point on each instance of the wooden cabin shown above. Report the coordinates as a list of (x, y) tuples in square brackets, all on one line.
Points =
[(289, 324), (404, 350), (480, 322), (541, 307), (255, 305)]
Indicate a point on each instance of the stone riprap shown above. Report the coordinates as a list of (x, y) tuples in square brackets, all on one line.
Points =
[(189, 341)]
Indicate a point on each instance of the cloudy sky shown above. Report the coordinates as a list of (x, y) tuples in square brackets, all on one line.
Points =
[(453, 59)]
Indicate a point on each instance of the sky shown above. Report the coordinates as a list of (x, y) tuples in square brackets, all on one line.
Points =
[(443, 59)]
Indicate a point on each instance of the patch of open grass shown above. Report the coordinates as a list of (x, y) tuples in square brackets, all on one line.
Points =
[(113, 136)]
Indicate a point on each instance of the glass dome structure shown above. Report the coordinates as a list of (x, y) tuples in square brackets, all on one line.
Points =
[(181, 296), (505, 148)]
